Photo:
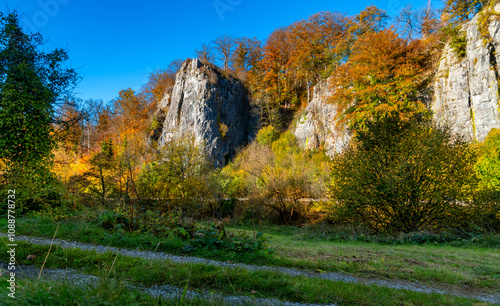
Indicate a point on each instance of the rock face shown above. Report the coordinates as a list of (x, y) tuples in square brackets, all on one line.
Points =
[(466, 94), (466, 90), (208, 105), (215, 109), (317, 125)]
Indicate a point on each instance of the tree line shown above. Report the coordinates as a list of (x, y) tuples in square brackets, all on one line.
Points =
[(60, 150)]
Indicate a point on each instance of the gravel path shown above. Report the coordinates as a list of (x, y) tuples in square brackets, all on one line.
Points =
[(399, 284), (165, 291)]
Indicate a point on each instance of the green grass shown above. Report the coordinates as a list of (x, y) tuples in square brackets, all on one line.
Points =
[(45, 292), (93, 234), (229, 281), (467, 268)]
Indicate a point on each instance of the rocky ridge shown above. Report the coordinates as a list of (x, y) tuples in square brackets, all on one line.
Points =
[(212, 107), (465, 98), (466, 90), (318, 125), (215, 108)]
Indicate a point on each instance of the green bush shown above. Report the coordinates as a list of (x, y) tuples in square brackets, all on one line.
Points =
[(267, 135), (458, 40), (215, 238), (403, 176), (488, 171), (35, 187), (227, 207), (179, 175)]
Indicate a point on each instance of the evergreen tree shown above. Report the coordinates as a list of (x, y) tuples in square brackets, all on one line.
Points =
[(31, 83)]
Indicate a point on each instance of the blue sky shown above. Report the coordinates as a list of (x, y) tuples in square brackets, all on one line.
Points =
[(115, 44)]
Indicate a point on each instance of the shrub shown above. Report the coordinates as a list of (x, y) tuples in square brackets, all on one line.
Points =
[(180, 175), (277, 176), (36, 188), (458, 40), (227, 207), (215, 238), (404, 176), (267, 135), (488, 171)]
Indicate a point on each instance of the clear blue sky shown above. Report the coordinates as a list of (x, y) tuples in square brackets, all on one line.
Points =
[(116, 44)]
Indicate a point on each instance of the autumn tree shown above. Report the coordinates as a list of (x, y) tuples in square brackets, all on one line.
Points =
[(463, 10), (104, 124), (160, 81), (68, 130), (409, 23), (90, 138), (224, 48), (430, 23), (417, 23), (383, 75), (294, 59), (131, 110), (205, 53), (371, 19), (131, 122), (68, 125), (277, 53), (247, 53), (317, 44), (101, 178)]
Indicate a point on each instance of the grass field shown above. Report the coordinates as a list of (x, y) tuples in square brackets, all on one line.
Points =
[(468, 268), (228, 281), (108, 292)]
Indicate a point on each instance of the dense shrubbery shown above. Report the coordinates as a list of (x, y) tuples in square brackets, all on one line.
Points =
[(35, 186), (403, 176), (276, 173), (180, 174), (358, 232), (488, 172)]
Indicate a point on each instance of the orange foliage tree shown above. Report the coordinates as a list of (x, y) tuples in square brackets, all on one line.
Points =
[(383, 75)]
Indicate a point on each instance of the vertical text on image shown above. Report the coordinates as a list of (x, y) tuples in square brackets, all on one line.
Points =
[(11, 246)]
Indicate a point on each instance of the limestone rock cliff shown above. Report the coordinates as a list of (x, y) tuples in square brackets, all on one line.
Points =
[(466, 90), (212, 107), (466, 93), (317, 125)]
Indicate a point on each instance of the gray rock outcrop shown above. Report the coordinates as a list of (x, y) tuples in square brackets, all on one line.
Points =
[(466, 90), (466, 94), (212, 107), (317, 125)]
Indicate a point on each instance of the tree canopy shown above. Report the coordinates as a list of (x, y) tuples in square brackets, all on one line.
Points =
[(31, 83)]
